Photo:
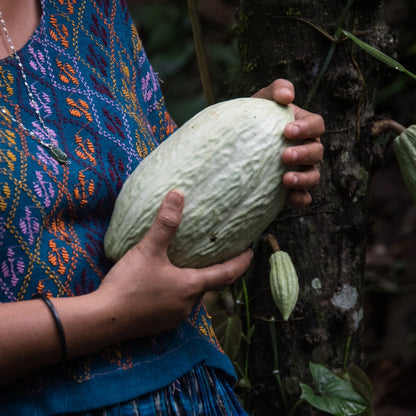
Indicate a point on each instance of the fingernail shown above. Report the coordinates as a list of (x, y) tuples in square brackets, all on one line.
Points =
[(285, 95), (294, 179), (174, 199), (295, 129), (249, 253), (294, 155)]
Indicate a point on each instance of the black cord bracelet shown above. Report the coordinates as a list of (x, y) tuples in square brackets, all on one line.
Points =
[(58, 322)]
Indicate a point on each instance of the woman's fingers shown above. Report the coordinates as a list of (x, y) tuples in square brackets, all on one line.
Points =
[(309, 153), (306, 125), (304, 180), (280, 90), (156, 242), (224, 274), (299, 198)]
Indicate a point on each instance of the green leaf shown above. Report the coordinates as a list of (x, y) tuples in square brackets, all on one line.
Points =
[(334, 395), (228, 330), (378, 54), (361, 383)]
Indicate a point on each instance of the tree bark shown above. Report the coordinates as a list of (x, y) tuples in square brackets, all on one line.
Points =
[(327, 241)]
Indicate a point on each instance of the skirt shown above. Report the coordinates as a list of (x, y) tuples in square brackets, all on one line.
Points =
[(198, 393)]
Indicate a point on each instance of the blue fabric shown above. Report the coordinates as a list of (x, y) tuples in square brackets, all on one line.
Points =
[(200, 392), (102, 104)]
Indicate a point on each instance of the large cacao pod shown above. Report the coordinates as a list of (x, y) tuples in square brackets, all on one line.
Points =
[(227, 162)]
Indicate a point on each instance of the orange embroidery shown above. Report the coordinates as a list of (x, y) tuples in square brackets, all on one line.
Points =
[(79, 108), (85, 149), (67, 73), (9, 158), (58, 256), (84, 190), (58, 227), (69, 5), (114, 355), (141, 147), (7, 81), (61, 32), (40, 286), (4, 195)]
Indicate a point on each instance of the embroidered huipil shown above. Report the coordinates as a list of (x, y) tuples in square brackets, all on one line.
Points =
[(101, 102)]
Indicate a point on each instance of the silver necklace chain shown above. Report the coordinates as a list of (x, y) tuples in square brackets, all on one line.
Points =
[(55, 151)]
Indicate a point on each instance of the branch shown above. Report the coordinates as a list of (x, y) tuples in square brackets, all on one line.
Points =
[(200, 53)]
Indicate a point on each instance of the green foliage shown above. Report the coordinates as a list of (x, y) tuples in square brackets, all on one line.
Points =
[(333, 394), (166, 32), (165, 29), (379, 55), (228, 329)]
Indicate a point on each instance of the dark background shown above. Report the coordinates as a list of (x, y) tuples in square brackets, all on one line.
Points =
[(390, 338)]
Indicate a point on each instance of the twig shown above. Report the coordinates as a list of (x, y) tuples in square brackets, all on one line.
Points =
[(329, 56), (273, 242), (276, 363), (200, 53), (381, 126)]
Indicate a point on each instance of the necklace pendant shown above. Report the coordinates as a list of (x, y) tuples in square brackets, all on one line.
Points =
[(58, 154)]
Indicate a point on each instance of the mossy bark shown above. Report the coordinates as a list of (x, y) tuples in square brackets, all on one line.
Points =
[(327, 241)]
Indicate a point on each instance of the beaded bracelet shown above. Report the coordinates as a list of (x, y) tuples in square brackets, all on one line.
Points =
[(59, 325)]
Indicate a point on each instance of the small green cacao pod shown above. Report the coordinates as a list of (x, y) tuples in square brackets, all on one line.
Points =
[(284, 283), (405, 150)]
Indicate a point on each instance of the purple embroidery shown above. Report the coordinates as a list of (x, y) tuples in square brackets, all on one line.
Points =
[(147, 91), (2, 230), (40, 132), (44, 189), (43, 156), (29, 226), (37, 63), (41, 101), (11, 268)]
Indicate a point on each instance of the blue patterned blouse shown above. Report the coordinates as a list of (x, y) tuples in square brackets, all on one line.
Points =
[(102, 105)]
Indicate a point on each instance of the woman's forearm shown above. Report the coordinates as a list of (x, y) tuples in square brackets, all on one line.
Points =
[(143, 294), (30, 340)]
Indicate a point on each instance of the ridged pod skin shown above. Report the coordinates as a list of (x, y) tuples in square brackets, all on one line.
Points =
[(405, 150), (284, 283), (227, 162)]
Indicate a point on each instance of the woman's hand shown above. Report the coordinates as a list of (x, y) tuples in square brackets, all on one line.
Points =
[(143, 294), (147, 292), (307, 127)]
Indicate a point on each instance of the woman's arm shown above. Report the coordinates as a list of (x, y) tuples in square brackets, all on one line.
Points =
[(142, 294)]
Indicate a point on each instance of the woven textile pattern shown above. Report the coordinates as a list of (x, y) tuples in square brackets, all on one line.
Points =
[(102, 104), (104, 115)]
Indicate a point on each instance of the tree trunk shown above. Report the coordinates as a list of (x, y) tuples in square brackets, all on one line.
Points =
[(327, 241)]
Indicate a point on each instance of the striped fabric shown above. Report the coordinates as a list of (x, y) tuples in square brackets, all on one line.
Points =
[(199, 393)]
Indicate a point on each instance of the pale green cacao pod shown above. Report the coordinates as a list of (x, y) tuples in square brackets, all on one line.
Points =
[(284, 283), (226, 160), (405, 150)]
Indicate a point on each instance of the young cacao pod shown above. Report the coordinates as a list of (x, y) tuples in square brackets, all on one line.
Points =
[(405, 149), (284, 283)]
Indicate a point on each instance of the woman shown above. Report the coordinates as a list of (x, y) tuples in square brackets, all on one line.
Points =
[(80, 107)]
